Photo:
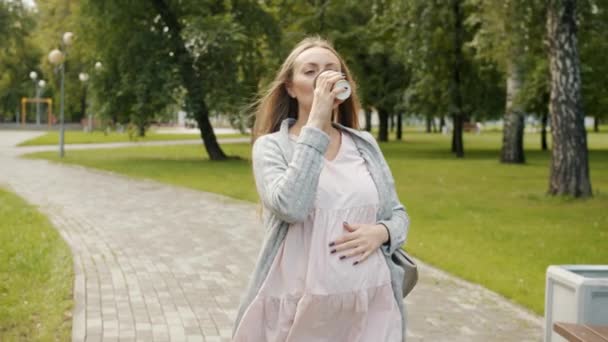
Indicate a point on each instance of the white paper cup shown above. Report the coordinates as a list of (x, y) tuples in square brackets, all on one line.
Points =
[(341, 83), (345, 94)]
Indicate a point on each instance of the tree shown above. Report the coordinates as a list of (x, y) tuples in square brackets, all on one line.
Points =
[(191, 78), (534, 96), (18, 56), (138, 81), (593, 37), (423, 44), (432, 41), (513, 130), (505, 36), (455, 81), (215, 41), (204, 45), (569, 172), (386, 77)]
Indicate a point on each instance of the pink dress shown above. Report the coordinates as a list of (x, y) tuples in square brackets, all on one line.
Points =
[(310, 295)]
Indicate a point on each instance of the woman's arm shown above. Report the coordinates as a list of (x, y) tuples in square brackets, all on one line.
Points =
[(398, 225), (288, 188)]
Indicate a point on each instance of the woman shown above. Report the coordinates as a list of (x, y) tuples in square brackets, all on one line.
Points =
[(331, 212)]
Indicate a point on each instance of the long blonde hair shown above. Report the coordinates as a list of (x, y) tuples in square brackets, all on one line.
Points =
[(275, 105)]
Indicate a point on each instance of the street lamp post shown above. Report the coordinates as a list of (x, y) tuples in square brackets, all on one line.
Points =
[(84, 77), (57, 57), (98, 67), (41, 84), (34, 77)]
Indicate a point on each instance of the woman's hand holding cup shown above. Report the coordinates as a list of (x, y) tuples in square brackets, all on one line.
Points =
[(325, 97)]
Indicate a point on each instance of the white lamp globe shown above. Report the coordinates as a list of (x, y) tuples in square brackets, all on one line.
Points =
[(83, 76), (56, 57), (68, 38), (33, 75), (42, 83)]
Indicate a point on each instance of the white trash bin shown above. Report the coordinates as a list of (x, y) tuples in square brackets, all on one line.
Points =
[(575, 294)]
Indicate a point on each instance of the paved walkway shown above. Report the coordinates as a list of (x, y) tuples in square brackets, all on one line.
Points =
[(159, 263), (70, 147)]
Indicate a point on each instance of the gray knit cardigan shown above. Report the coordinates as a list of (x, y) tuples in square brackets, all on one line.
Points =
[(286, 177)]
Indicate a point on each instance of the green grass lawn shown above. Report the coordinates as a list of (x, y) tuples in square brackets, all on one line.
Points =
[(483, 221), (36, 275), (96, 137)]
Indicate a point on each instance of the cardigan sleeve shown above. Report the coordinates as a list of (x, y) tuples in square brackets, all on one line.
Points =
[(288, 188), (398, 224)]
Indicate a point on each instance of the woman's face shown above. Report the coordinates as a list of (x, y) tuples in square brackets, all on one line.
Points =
[(306, 67)]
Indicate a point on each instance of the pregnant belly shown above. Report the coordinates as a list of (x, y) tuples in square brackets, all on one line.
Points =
[(327, 274)]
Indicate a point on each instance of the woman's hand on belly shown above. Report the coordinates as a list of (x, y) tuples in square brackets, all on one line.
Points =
[(359, 242)]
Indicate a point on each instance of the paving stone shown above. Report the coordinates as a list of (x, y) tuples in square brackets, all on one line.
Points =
[(171, 264)]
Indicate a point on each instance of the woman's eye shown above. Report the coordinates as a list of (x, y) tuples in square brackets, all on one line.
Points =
[(309, 72)]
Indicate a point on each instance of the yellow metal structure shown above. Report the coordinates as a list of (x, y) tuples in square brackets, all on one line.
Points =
[(49, 108)]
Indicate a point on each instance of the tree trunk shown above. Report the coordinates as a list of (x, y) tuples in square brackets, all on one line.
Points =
[(399, 126), (192, 81), (569, 172), (83, 103), (368, 119), (392, 122), (383, 130), (428, 124), (457, 136), (441, 123), (543, 132), (596, 124), (455, 91), (513, 130), (141, 129)]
